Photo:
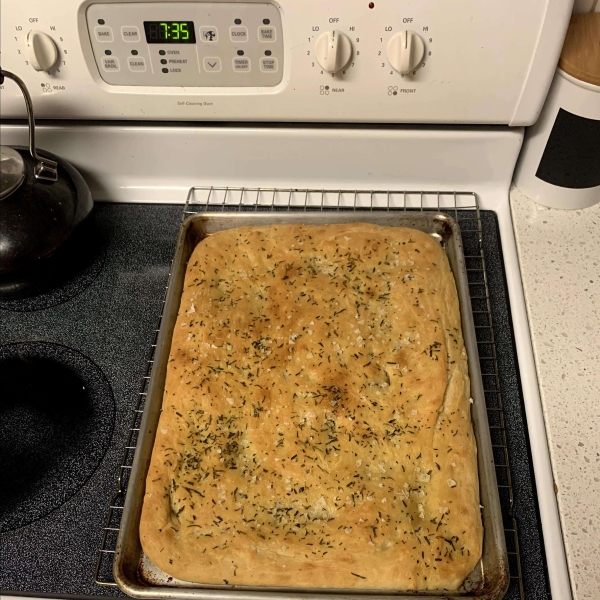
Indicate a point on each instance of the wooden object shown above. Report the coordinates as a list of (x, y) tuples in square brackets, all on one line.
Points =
[(580, 56)]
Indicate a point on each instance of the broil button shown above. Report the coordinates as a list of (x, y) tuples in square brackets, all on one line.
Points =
[(110, 63)]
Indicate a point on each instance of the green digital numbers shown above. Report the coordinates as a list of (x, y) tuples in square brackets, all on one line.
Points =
[(170, 32)]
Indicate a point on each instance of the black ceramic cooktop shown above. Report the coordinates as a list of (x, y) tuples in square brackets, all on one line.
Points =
[(71, 363)]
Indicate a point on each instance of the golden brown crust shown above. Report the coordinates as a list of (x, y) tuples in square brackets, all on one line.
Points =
[(316, 426)]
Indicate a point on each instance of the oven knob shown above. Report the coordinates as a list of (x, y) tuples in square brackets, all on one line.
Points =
[(40, 50), (405, 51), (333, 51)]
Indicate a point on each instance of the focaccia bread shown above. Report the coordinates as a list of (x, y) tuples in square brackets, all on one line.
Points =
[(316, 428)]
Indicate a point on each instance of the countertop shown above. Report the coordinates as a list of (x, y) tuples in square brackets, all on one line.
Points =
[(559, 254)]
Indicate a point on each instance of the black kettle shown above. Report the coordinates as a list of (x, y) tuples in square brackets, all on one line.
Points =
[(46, 216)]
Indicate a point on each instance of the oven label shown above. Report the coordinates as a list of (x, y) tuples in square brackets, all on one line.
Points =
[(190, 103)]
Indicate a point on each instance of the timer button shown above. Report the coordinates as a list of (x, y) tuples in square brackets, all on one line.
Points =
[(209, 34), (103, 34), (238, 34), (241, 65), (130, 34)]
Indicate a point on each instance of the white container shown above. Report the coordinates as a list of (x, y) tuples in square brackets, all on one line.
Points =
[(559, 164)]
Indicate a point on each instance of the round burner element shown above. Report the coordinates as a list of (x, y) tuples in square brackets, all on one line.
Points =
[(66, 290), (57, 415)]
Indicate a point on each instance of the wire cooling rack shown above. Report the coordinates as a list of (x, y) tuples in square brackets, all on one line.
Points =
[(464, 207)]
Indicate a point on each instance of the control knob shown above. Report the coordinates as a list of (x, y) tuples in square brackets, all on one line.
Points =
[(40, 50), (333, 51), (405, 51)]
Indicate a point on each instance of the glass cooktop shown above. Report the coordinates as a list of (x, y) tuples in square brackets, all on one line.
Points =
[(72, 363)]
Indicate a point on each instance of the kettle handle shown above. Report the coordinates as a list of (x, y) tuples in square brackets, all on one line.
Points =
[(46, 168)]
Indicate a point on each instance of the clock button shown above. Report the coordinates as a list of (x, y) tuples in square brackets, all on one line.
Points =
[(238, 34)]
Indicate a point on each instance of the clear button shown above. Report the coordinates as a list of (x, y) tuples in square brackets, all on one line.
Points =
[(130, 34), (110, 63), (267, 34), (268, 64), (241, 65), (137, 63), (103, 34), (238, 34)]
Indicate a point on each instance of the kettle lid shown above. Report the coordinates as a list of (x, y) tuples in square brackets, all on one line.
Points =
[(12, 171)]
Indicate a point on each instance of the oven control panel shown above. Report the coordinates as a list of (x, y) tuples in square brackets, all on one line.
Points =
[(208, 44), (380, 61)]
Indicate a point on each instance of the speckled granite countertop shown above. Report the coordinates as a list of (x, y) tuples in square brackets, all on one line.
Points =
[(559, 253)]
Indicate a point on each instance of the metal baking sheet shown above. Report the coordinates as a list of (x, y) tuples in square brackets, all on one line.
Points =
[(134, 572)]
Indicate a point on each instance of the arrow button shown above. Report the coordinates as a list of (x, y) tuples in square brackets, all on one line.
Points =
[(212, 64)]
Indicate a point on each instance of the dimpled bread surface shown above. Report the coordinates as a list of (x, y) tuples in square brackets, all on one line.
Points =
[(315, 429)]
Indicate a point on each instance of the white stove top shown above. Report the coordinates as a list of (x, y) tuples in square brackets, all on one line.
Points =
[(128, 163)]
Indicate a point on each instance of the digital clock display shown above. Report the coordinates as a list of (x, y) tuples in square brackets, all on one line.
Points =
[(170, 32)]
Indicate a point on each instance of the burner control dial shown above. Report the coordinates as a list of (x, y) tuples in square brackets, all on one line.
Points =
[(405, 51), (333, 51), (40, 50)]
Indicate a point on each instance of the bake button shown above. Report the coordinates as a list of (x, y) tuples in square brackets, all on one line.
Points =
[(103, 34), (238, 34), (267, 34), (241, 64), (209, 34), (130, 34), (137, 63), (110, 63), (212, 64), (268, 64)]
